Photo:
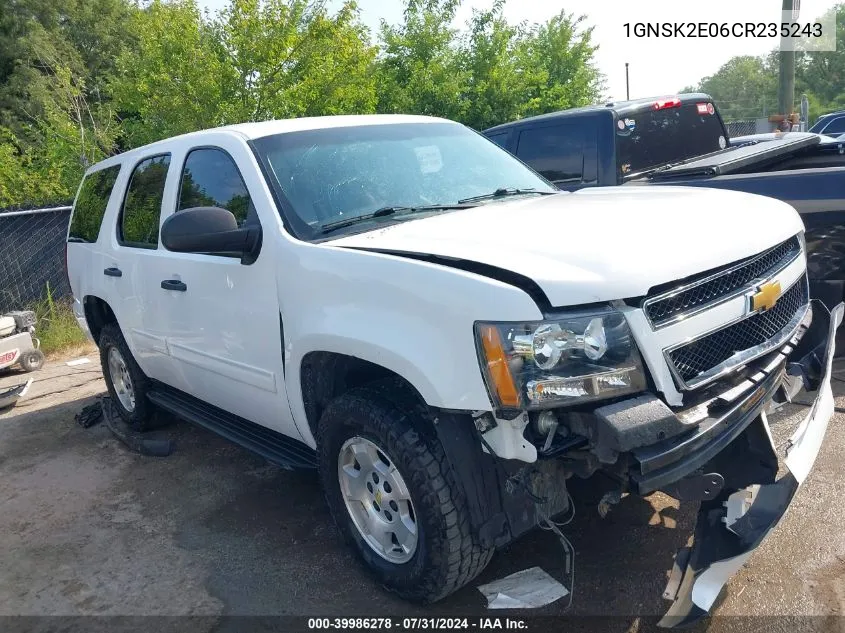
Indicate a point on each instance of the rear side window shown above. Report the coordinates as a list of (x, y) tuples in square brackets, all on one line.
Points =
[(91, 203), (142, 206), (556, 152), (500, 139), (837, 126), (210, 178)]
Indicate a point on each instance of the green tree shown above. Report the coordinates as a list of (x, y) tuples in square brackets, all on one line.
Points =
[(22, 179), (495, 88), (493, 73), (256, 60), (419, 68), (744, 88), (558, 62), (81, 79), (55, 56), (174, 82), (821, 74), (291, 58)]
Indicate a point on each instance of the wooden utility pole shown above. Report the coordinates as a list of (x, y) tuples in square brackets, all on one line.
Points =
[(786, 78)]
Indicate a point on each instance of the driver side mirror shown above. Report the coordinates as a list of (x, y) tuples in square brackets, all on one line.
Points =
[(210, 230)]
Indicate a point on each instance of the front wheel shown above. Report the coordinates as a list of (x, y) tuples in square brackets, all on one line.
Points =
[(394, 496)]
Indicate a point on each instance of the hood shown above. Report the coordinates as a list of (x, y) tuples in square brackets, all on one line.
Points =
[(598, 244)]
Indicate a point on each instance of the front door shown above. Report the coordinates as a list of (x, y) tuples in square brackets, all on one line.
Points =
[(219, 317)]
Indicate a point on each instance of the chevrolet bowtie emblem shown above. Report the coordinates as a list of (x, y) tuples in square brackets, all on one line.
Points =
[(766, 296)]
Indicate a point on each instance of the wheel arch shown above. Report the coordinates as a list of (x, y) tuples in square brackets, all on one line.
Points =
[(325, 375), (98, 313)]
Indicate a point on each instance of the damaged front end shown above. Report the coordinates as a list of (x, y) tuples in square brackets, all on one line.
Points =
[(717, 449), (751, 500)]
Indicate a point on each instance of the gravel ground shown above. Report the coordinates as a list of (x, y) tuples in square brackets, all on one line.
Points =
[(88, 528)]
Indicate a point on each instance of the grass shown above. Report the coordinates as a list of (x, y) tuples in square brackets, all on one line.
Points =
[(57, 328)]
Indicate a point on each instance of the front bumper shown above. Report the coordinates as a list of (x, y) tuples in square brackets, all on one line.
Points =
[(751, 502)]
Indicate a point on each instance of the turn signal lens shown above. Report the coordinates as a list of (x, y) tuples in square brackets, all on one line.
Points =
[(498, 370)]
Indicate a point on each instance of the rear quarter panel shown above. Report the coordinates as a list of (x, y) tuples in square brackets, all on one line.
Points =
[(84, 259)]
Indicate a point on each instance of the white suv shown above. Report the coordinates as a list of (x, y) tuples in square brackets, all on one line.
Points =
[(401, 304)]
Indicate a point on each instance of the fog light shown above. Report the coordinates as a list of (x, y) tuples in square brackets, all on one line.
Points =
[(546, 421)]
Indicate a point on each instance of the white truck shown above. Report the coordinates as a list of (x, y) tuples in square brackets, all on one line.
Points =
[(448, 339)]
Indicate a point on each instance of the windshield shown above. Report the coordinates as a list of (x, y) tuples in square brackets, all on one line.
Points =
[(335, 175), (654, 138)]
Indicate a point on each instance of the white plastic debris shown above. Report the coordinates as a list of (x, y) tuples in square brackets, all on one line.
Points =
[(738, 504), (78, 361), (526, 589)]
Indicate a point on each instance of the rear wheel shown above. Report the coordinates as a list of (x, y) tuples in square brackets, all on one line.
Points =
[(32, 360), (393, 494), (126, 383)]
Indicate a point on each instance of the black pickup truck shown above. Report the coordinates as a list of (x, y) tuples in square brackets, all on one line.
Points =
[(682, 140)]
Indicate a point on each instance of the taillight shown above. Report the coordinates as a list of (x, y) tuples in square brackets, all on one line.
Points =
[(664, 104)]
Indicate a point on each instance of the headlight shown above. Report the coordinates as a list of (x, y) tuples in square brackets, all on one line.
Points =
[(568, 360)]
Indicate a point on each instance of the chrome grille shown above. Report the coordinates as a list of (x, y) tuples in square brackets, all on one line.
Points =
[(695, 359), (711, 288)]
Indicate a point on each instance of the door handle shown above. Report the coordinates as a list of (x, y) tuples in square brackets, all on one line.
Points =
[(174, 284), (113, 272)]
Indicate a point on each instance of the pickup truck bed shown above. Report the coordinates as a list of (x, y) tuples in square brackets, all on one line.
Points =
[(683, 141), (817, 193)]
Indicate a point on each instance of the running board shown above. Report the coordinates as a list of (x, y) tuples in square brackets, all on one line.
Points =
[(273, 446)]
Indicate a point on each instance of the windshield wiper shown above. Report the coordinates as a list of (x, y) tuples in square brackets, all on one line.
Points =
[(503, 192), (387, 211)]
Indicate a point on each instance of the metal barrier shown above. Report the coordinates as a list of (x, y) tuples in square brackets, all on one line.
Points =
[(32, 255), (741, 128)]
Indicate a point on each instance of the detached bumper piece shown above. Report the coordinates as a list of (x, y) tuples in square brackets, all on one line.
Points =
[(10, 397), (749, 501)]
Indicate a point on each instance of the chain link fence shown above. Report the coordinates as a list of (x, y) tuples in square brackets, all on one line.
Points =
[(741, 128), (749, 126), (32, 255)]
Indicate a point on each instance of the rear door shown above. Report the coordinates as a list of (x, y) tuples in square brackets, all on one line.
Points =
[(133, 247)]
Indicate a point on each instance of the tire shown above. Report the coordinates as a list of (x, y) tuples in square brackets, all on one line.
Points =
[(32, 360), (136, 410), (446, 555)]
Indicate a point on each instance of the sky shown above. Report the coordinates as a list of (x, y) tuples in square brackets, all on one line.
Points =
[(656, 67)]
